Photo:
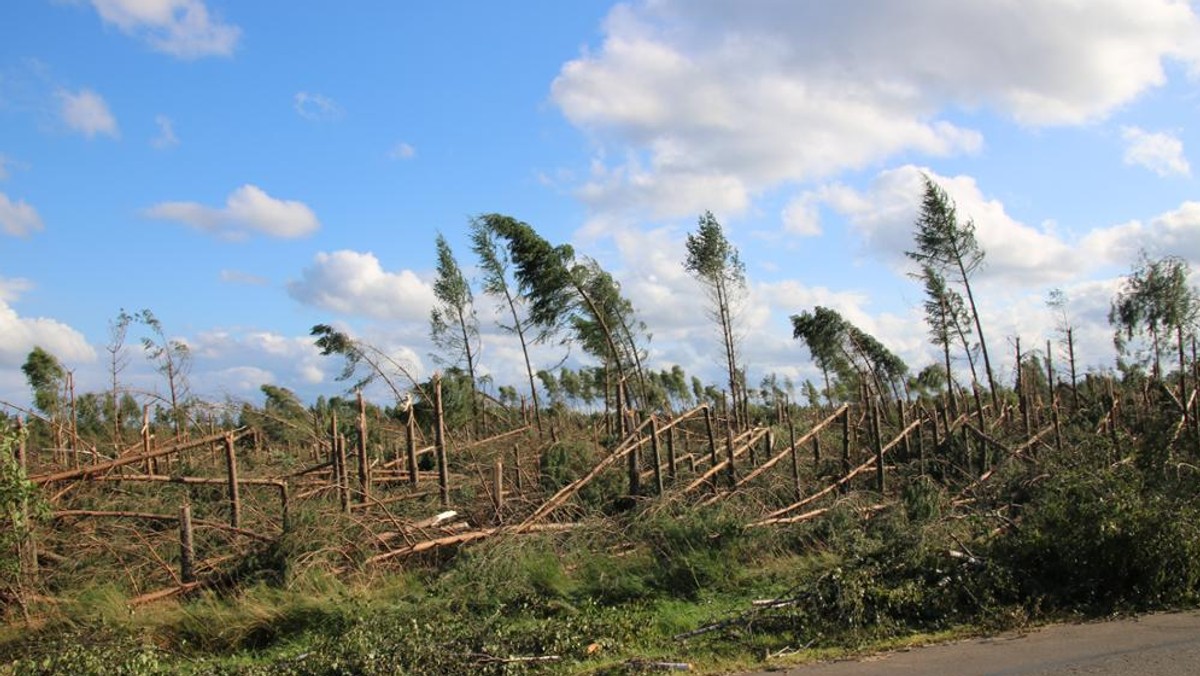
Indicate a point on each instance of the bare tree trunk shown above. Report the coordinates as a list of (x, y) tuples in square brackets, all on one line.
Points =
[(235, 502), (364, 469), (187, 553), (439, 431)]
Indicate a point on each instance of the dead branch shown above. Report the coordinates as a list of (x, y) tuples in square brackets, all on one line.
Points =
[(67, 513), (121, 462), (853, 473)]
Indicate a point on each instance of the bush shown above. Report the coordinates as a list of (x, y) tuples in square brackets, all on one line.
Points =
[(1105, 541)]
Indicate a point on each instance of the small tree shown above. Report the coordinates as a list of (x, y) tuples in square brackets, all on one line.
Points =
[(117, 361), (174, 360), (46, 377)]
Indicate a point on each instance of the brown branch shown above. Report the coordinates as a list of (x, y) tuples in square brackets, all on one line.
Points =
[(855, 472), (121, 462), (67, 513)]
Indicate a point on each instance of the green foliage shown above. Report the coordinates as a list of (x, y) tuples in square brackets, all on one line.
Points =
[(453, 326), (20, 503), (1154, 301), (568, 460), (852, 354), (45, 376), (1106, 541)]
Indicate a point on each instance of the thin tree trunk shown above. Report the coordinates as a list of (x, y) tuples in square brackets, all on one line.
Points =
[(235, 502), (440, 442), (187, 553), (987, 362)]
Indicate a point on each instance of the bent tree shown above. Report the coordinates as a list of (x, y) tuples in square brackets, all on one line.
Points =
[(572, 295), (949, 322), (453, 325), (854, 355), (714, 262), (948, 247), (496, 268)]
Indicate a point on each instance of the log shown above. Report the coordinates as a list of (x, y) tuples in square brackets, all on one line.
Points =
[(840, 482), (464, 538), (129, 460), (67, 513)]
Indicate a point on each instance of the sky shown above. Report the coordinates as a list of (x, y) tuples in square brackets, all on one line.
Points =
[(246, 170)]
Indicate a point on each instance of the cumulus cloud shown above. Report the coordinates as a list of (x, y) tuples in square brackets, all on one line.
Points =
[(86, 112), (1176, 232), (249, 209), (166, 137), (19, 335), (701, 100), (883, 215), (355, 284), (18, 219), (316, 107), (802, 216), (239, 362), (181, 28), (1159, 152)]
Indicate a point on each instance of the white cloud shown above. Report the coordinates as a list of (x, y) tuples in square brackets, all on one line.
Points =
[(1159, 152), (181, 28), (802, 216), (239, 362), (18, 219), (884, 214), (19, 335), (402, 151), (86, 112), (1175, 232), (355, 284), (316, 107), (704, 101), (247, 210), (166, 137)]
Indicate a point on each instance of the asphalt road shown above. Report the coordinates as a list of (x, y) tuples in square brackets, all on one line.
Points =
[(1164, 644)]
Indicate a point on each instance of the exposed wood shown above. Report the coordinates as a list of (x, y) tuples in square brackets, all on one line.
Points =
[(164, 593), (187, 553), (129, 460), (235, 501), (464, 538), (811, 434), (808, 516), (69, 513), (844, 480), (439, 441)]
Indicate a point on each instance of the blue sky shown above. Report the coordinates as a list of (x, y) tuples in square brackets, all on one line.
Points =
[(247, 170)]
